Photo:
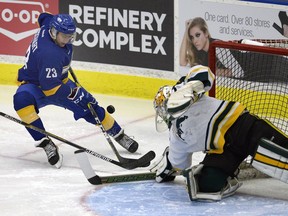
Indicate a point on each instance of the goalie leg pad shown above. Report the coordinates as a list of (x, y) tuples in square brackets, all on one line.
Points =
[(272, 160), (192, 174), (191, 180)]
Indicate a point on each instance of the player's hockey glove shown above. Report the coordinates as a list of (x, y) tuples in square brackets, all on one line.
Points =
[(81, 97), (164, 168)]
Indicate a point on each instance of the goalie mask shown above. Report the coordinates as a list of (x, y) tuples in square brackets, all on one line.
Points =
[(160, 106), (171, 104)]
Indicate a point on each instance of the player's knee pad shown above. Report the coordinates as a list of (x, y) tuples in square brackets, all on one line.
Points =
[(24, 105), (23, 99), (271, 159)]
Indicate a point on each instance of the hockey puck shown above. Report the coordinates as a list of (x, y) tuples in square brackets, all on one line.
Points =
[(110, 109)]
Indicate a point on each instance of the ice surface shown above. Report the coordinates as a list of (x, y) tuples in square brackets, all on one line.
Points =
[(151, 198), (30, 186)]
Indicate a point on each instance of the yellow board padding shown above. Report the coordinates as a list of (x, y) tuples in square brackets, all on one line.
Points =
[(257, 102), (9, 74), (121, 85), (28, 114), (101, 82)]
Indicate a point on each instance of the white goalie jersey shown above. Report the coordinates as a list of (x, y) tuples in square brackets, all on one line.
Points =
[(203, 125)]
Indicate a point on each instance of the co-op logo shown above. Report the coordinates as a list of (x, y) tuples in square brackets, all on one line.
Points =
[(18, 19)]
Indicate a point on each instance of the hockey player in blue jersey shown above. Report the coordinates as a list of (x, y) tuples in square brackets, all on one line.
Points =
[(43, 80)]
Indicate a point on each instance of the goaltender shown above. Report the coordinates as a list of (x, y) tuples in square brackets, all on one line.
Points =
[(224, 130)]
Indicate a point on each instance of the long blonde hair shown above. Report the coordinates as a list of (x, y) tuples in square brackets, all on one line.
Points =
[(190, 49)]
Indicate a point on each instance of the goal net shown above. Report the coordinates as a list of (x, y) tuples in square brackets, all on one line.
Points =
[(255, 74)]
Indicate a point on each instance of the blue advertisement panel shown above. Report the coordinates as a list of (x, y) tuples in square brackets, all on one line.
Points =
[(138, 33), (279, 2)]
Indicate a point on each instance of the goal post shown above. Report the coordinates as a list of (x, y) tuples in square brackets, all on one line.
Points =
[(255, 75)]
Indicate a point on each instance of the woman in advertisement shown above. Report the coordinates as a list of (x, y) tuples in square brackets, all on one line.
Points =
[(195, 45)]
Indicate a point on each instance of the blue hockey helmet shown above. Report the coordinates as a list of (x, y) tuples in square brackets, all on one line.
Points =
[(62, 23)]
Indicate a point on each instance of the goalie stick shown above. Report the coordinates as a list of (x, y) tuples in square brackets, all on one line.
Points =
[(95, 179), (131, 164), (99, 123)]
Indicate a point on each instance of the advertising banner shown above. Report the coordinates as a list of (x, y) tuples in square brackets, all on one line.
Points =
[(137, 33), (232, 21), (202, 21), (280, 2), (18, 23)]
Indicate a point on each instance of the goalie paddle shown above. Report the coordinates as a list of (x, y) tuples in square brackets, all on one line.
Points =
[(131, 164), (95, 179)]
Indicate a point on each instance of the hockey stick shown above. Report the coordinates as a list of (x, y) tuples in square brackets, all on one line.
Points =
[(98, 122), (143, 161), (244, 175), (95, 179)]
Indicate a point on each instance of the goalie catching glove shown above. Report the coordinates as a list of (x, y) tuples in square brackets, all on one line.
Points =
[(81, 97)]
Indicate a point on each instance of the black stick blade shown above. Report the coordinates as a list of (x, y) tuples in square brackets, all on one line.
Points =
[(95, 180), (143, 161)]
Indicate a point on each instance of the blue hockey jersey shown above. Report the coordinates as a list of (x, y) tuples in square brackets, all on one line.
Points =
[(46, 63)]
